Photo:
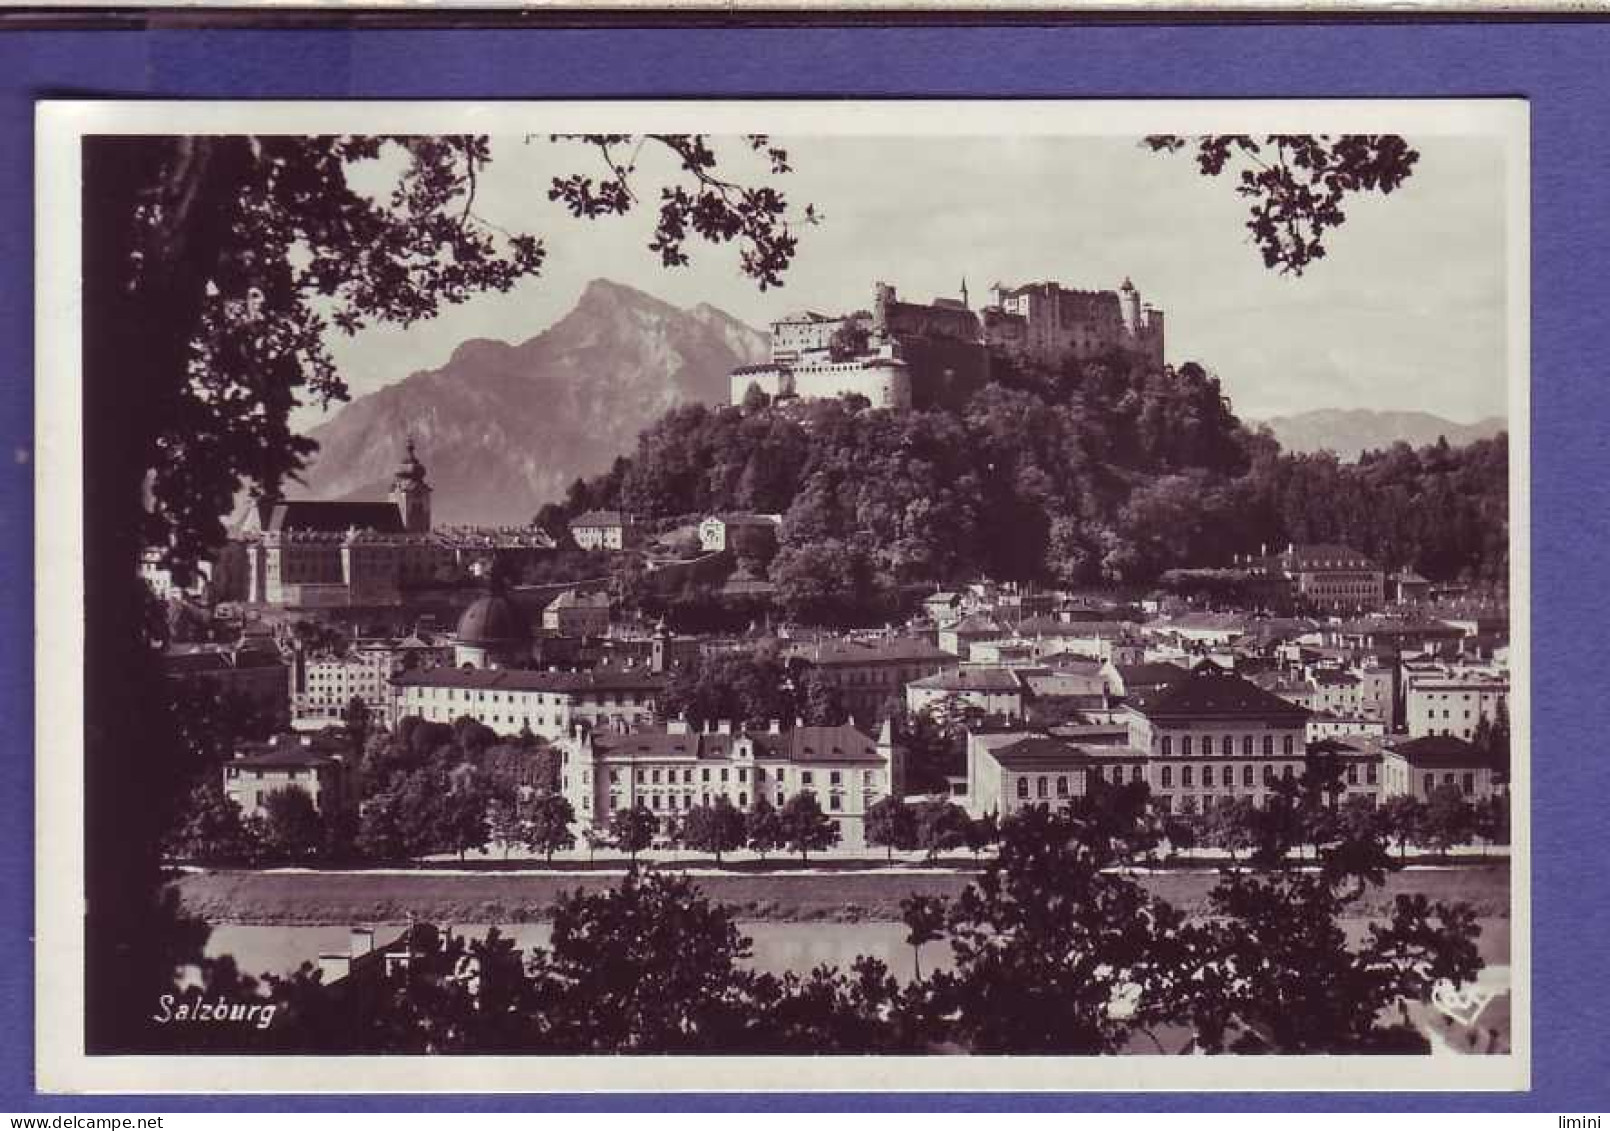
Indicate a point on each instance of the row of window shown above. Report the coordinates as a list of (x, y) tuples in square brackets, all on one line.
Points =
[(1226, 776), (881, 676), (668, 776), (1226, 749), (605, 698), (1466, 782)]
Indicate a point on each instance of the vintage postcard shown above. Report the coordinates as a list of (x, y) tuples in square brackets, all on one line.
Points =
[(986, 595)]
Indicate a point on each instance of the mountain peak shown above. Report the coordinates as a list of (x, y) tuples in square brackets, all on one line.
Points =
[(512, 425), (607, 291), (1347, 432)]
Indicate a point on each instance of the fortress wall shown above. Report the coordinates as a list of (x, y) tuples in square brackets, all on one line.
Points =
[(886, 386), (770, 381)]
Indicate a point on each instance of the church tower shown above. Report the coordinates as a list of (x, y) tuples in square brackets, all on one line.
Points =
[(411, 494)]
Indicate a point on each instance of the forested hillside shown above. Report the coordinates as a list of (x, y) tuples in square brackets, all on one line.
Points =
[(1094, 473)]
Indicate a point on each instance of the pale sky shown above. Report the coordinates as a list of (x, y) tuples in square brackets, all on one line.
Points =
[(1405, 312)]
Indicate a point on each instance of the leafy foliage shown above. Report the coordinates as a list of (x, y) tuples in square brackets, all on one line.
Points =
[(1296, 183), (211, 831), (891, 823), (293, 829), (763, 828), (632, 829), (715, 828), (649, 966), (547, 825), (805, 828)]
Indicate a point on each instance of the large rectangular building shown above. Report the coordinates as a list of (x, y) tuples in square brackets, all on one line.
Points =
[(1418, 767), (313, 765), (669, 772), (1215, 734), (867, 674), (547, 703), (1332, 577), (1452, 703)]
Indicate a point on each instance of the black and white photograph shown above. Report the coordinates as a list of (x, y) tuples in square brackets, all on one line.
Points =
[(879, 595)]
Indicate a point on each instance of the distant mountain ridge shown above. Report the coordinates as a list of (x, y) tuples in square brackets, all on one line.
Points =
[(1349, 432), (503, 428)]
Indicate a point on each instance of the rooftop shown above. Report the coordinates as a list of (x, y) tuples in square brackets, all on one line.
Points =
[(516, 679), (1324, 555), (598, 518), (1439, 752), (838, 744), (570, 599), (970, 679), (333, 518), (1039, 753), (291, 752), (1155, 674), (975, 624), (1209, 691), (896, 650)]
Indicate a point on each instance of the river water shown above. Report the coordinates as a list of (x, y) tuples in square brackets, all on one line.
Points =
[(777, 946)]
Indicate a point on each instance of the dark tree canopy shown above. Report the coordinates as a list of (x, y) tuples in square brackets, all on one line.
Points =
[(215, 271), (1093, 472)]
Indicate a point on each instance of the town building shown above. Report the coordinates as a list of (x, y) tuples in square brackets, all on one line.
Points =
[(867, 674), (1326, 725), (1289, 686), (1452, 701), (1215, 734), (1194, 631), (258, 675), (492, 633), (1391, 634), (156, 574), (319, 554), (1117, 641), (1133, 680), (1011, 770), (1406, 587), (1079, 685), (1006, 652), (1416, 767), (1327, 576), (737, 531), (669, 772), (602, 530), (943, 607), (958, 636), (316, 766), (1378, 692), (1357, 759), (546, 703), (1335, 692), (323, 686), (993, 691), (577, 614)]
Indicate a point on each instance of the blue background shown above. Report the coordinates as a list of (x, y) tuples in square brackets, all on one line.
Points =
[(1560, 67)]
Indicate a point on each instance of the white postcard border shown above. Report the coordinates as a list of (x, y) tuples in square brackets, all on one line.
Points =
[(62, 1064)]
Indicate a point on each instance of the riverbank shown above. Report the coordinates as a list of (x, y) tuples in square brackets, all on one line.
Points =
[(338, 898)]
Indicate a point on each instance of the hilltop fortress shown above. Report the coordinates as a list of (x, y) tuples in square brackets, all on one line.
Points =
[(901, 354)]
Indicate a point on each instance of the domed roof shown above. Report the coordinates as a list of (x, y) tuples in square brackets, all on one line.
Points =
[(492, 619), (411, 468)]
